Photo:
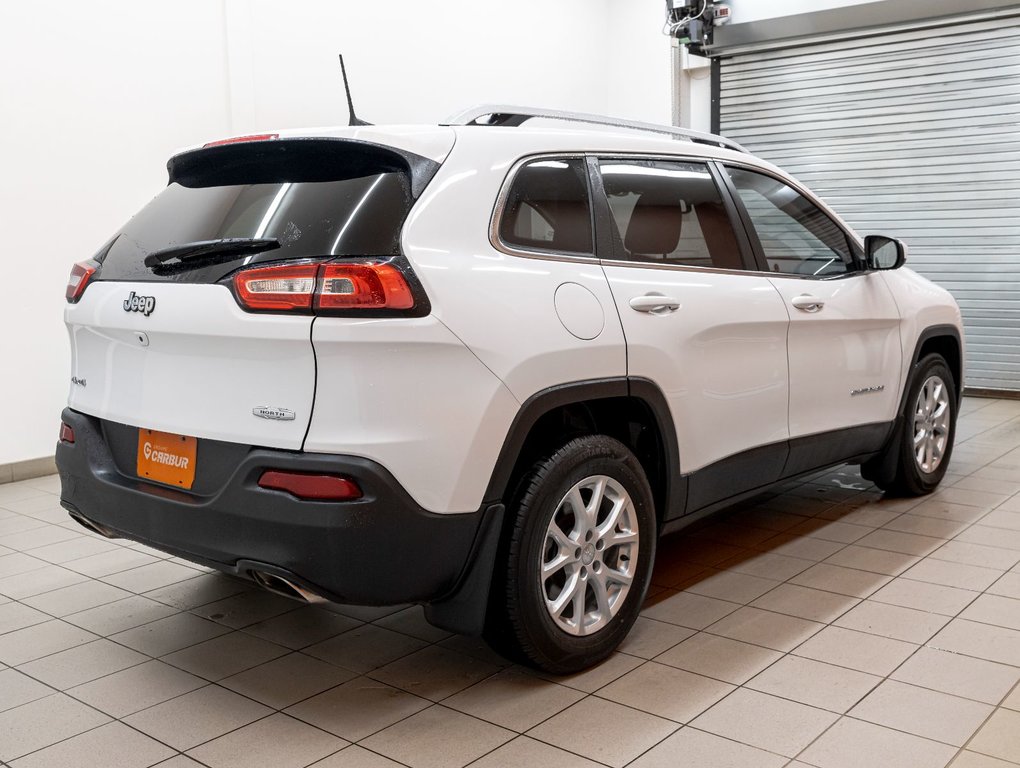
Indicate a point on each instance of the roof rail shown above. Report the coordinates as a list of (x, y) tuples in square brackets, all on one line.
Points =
[(506, 115)]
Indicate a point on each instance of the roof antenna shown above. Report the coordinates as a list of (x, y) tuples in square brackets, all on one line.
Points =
[(354, 119)]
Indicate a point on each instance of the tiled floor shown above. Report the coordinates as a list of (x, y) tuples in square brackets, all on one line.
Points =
[(824, 626)]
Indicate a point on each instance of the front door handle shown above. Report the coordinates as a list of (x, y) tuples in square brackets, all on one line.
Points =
[(655, 303), (807, 303)]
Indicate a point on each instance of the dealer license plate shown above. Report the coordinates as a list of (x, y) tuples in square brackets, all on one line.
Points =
[(167, 458)]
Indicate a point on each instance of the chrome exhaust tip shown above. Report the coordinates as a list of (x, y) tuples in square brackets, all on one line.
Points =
[(95, 527), (285, 587)]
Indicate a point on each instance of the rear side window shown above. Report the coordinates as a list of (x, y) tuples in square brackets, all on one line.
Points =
[(548, 208), (669, 212), (797, 238)]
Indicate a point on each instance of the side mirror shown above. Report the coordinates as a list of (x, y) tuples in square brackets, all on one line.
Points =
[(883, 252)]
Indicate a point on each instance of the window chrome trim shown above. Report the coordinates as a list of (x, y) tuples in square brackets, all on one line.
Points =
[(499, 208)]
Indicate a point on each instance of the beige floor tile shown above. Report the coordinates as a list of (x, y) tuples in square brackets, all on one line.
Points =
[(814, 683), (856, 744), (354, 757), (594, 678), (38, 640), (981, 640), (111, 561), (17, 689), (994, 609), (113, 745), (831, 530), (991, 537), (936, 527), (934, 598), (19, 562), (941, 509), (37, 581), (199, 591), (197, 717), (437, 738), (875, 560), (843, 581), (1000, 736), (768, 566), (1012, 701), (766, 722), (976, 554), (999, 518), (82, 663), (358, 708), (73, 549), (893, 621), (225, 655), (648, 638), (75, 598), (15, 616), (906, 543), (515, 699), (705, 750), (958, 675), (869, 514), (287, 680), (666, 691), (922, 712), (277, 741), (246, 608), (38, 537), (121, 615), (136, 688), (967, 759), (732, 586), (158, 638), (772, 630), (411, 621), (43, 722), (951, 574), (146, 578), (805, 603), (1007, 586), (856, 650), (804, 547), (688, 610), (720, 657), (364, 648), (524, 751), (581, 729), (434, 673)]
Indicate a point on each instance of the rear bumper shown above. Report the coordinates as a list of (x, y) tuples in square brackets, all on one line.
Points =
[(382, 549)]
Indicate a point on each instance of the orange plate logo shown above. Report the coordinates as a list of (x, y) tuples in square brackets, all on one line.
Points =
[(167, 458)]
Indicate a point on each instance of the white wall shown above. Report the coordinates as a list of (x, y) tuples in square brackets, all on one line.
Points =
[(95, 96)]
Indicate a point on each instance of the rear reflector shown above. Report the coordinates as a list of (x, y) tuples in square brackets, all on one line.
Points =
[(242, 139), (282, 288), (81, 273), (310, 486), (66, 433)]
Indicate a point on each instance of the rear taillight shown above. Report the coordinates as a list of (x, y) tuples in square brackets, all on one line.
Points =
[(378, 287), (81, 273), (310, 486), (66, 433)]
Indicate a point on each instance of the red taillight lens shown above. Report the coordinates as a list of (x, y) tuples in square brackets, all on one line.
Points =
[(81, 273), (363, 286), (284, 288), (66, 433), (311, 486), (242, 139)]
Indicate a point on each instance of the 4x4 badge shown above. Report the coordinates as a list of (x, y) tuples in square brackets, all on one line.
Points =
[(277, 414), (143, 304)]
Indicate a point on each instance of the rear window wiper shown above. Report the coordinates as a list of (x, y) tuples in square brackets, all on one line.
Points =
[(228, 247)]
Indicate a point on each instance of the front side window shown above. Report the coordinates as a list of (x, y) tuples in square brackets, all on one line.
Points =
[(797, 238), (668, 212), (548, 208)]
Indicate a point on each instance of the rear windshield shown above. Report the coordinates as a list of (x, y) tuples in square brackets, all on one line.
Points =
[(316, 199)]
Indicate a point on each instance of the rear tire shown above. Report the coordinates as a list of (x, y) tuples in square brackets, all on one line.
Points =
[(927, 430), (577, 557)]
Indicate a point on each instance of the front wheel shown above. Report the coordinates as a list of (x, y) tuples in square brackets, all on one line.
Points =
[(927, 430), (576, 564)]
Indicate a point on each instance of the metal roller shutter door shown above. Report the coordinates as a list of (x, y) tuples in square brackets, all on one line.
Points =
[(914, 134)]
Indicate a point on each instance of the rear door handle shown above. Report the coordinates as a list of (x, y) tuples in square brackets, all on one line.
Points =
[(655, 304), (807, 303)]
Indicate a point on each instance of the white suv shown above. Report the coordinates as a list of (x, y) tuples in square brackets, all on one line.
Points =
[(482, 366)]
